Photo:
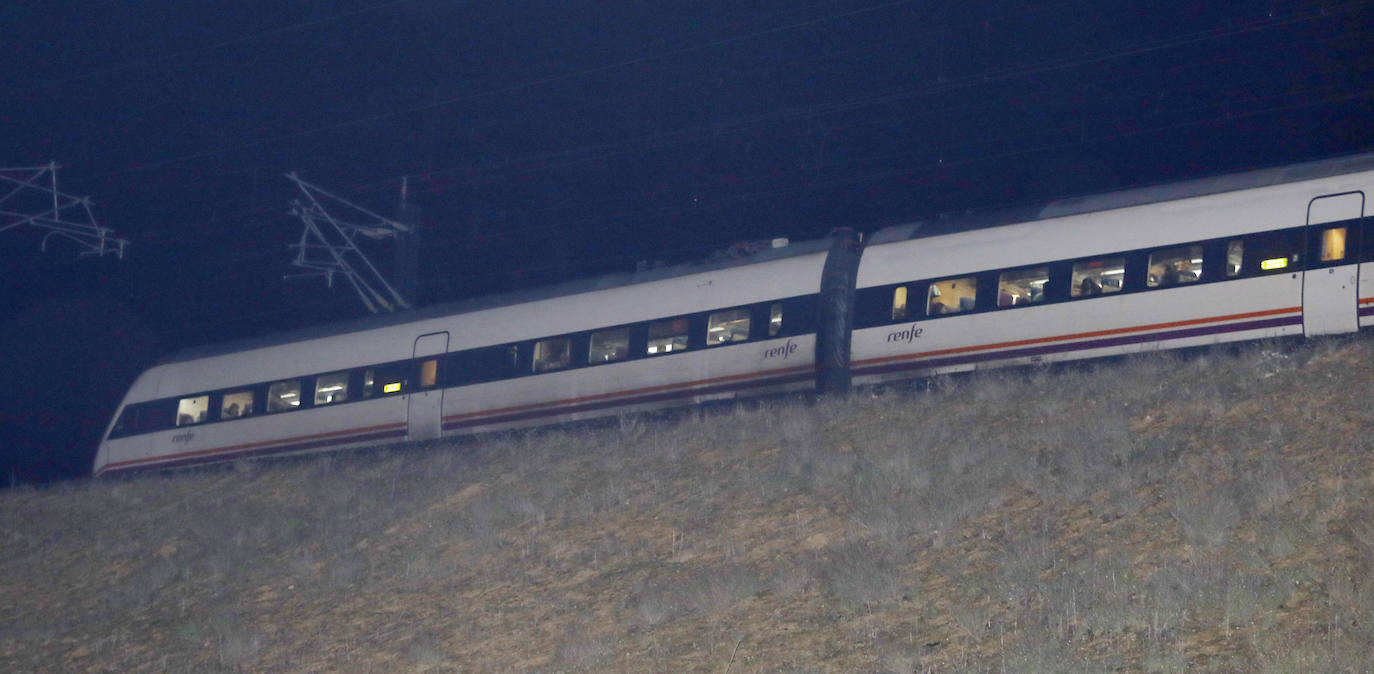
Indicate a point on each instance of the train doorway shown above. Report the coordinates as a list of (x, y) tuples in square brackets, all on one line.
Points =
[(425, 407), (1330, 301)]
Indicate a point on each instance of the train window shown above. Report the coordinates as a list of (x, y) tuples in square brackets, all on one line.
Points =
[(952, 296), (129, 422), (1235, 257), (899, 310), (145, 418), (608, 346), (384, 380), (1333, 244), (775, 319), (331, 388), (1173, 266), (236, 404), (1097, 277), (429, 372), (552, 354), (1022, 286), (667, 336), (284, 395), (193, 410), (723, 327)]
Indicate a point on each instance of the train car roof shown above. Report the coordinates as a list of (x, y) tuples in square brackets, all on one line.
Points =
[(736, 258), (958, 222)]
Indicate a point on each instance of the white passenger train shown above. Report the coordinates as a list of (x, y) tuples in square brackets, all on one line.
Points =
[(1261, 254)]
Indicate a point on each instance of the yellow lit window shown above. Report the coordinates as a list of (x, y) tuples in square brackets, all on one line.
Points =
[(1092, 278), (237, 404), (899, 303), (552, 354), (731, 325), (952, 296), (1022, 286), (1333, 244), (192, 410)]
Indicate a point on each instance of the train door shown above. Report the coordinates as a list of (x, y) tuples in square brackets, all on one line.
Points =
[(1330, 301), (425, 407)]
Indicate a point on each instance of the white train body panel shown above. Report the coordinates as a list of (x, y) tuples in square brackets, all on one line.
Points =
[(1130, 323)]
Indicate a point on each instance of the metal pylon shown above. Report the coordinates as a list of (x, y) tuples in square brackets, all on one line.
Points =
[(328, 245), (29, 198)]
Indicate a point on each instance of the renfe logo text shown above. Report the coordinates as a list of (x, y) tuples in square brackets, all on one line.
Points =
[(908, 335), (781, 351)]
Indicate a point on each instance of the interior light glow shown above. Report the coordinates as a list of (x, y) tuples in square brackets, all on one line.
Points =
[(331, 389), (1274, 263)]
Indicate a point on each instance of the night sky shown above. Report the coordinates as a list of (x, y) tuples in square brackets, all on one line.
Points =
[(546, 141)]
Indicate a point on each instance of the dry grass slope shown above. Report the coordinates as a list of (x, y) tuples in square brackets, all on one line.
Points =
[(1159, 513)]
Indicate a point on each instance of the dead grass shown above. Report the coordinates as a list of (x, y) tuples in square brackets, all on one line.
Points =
[(1158, 513)]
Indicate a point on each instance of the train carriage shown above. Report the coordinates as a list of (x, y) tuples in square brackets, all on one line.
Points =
[(1251, 256), (610, 346)]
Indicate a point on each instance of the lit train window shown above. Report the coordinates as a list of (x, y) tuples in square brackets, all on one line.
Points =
[(1235, 257), (667, 336), (236, 404), (899, 311), (331, 388), (1173, 266), (193, 410), (284, 395), (608, 346), (552, 354), (723, 327), (429, 372), (1097, 277), (1333, 244), (1022, 286), (775, 319), (952, 296)]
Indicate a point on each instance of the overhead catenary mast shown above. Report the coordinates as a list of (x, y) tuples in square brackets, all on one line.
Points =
[(328, 245), (29, 197)]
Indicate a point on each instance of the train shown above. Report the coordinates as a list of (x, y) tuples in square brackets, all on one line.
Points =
[(1275, 252)]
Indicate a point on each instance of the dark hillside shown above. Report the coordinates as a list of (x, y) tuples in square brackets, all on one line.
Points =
[(1154, 514)]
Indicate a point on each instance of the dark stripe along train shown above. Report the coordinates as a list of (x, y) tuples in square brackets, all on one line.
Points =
[(1263, 254)]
